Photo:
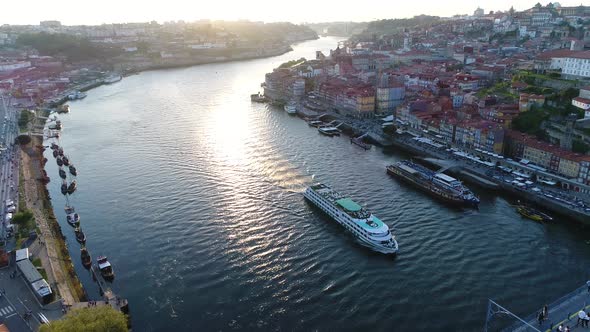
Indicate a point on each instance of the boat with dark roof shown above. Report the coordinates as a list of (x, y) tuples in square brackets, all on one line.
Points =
[(85, 257), (439, 185), (62, 174), (73, 170), (366, 227), (72, 187), (80, 236)]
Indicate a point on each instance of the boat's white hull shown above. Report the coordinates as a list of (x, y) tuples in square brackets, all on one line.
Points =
[(346, 224)]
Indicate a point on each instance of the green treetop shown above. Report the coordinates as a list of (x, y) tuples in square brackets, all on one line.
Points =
[(94, 319)]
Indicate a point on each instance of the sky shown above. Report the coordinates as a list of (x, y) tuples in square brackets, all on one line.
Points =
[(71, 12)]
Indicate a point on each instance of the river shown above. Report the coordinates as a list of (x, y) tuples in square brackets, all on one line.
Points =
[(195, 195)]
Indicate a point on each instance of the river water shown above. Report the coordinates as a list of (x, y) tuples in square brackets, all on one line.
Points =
[(195, 195)]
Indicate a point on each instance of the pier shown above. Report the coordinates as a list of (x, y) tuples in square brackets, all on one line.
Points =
[(563, 311)]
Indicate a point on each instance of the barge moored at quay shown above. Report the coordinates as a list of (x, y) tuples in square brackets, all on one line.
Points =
[(439, 185)]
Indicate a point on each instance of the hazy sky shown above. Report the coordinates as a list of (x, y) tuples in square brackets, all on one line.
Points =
[(71, 12)]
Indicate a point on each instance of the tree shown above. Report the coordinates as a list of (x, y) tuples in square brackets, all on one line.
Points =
[(580, 147), (23, 139), (102, 318), (22, 217)]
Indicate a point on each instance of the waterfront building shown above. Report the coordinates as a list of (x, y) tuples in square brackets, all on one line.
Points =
[(389, 94), (357, 101), (564, 163), (283, 85)]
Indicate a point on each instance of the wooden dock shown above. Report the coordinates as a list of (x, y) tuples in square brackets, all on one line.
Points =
[(109, 297)]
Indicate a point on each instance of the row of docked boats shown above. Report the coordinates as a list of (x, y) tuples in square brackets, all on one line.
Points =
[(327, 129), (331, 129), (73, 218)]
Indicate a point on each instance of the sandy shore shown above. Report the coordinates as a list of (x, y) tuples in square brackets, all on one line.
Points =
[(55, 256)]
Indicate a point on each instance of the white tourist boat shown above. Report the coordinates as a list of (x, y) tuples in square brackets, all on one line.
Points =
[(366, 227)]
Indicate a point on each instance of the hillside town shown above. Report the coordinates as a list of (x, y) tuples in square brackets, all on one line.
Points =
[(507, 88), (51, 61)]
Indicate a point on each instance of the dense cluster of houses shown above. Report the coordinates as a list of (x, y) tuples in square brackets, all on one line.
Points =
[(432, 79)]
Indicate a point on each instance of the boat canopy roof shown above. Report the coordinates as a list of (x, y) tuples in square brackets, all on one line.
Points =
[(103, 264), (407, 168), (349, 205), (445, 177)]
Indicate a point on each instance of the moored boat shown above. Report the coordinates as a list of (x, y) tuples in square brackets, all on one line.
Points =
[(366, 227), (59, 162), (54, 146), (436, 184), (85, 257), (290, 108), (329, 131), (65, 108), (112, 79), (315, 123), (72, 187), (60, 151), (532, 213), (54, 153), (72, 217), (105, 267), (62, 174), (64, 188), (258, 98), (80, 236), (65, 161), (76, 95), (73, 170), (359, 141)]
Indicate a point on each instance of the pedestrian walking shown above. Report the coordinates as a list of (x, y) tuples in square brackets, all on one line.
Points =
[(540, 317), (588, 284), (581, 317), (545, 312), (586, 320)]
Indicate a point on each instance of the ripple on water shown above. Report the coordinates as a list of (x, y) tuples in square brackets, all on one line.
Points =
[(195, 196)]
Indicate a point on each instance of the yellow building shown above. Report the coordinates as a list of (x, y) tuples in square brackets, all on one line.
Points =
[(568, 168), (537, 156)]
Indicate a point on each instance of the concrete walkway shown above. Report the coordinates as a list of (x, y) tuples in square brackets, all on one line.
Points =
[(562, 311), (49, 258)]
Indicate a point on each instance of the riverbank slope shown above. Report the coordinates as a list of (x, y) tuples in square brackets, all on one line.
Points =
[(57, 261)]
